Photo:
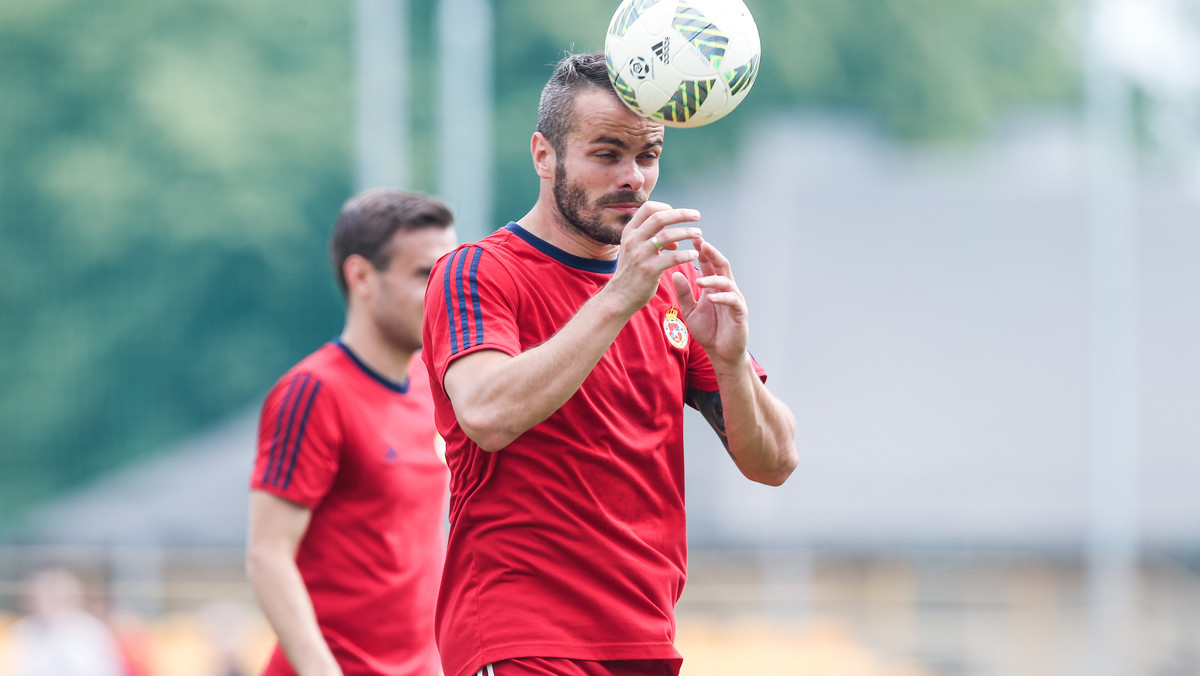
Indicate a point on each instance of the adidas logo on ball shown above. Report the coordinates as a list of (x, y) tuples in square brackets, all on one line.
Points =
[(663, 50)]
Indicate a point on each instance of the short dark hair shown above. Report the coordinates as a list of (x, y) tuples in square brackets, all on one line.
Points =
[(368, 221), (574, 74)]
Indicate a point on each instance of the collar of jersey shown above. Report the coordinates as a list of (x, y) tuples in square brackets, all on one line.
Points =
[(577, 262), (392, 385)]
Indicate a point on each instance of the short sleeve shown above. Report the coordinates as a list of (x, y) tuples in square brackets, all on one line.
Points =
[(470, 305), (299, 441)]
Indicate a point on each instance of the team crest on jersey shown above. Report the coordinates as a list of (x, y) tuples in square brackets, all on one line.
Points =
[(677, 333)]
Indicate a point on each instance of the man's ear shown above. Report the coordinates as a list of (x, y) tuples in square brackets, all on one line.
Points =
[(357, 270), (544, 158)]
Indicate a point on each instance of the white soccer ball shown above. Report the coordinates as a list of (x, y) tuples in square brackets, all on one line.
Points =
[(684, 63)]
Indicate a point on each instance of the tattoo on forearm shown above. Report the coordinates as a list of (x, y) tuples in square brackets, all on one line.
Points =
[(709, 405)]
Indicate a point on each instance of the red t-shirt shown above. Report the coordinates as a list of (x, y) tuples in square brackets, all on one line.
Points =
[(571, 541), (362, 453)]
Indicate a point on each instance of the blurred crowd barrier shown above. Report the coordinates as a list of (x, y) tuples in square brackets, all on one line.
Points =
[(744, 612)]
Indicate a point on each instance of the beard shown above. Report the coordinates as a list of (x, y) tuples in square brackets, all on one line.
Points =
[(576, 214)]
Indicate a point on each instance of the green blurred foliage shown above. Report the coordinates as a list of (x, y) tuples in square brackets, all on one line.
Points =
[(171, 170)]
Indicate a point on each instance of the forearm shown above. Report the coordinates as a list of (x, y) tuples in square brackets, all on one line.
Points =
[(284, 599), (759, 430), (512, 394)]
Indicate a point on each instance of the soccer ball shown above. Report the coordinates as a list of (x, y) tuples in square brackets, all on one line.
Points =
[(684, 63)]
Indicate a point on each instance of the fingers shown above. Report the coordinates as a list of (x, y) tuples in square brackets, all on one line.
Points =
[(651, 222), (683, 291), (712, 261), (716, 283), (654, 216), (669, 239), (648, 241), (720, 290), (667, 259), (728, 299), (646, 253)]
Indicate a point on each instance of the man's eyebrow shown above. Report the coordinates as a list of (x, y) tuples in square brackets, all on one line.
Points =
[(620, 143)]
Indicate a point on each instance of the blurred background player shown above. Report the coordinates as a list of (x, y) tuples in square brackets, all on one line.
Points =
[(59, 636), (562, 349), (346, 542)]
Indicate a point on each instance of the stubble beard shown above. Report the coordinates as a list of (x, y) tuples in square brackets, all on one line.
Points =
[(576, 215)]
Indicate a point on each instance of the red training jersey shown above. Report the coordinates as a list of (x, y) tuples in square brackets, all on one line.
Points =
[(571, 541), (362, 453)]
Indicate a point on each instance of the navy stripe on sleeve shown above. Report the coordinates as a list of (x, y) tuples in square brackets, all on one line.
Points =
[(462, 302), (475, 297), (449, 272), (287, 479), (290, 431), (273, 456), (462, 299)]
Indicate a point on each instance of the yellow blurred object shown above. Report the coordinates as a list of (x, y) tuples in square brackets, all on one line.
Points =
[(184, 645), (179, 646)]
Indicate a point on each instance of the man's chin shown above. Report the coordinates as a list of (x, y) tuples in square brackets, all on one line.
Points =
[(611, 235), (613, 225)]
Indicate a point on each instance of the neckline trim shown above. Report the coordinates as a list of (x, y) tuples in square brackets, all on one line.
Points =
[(400, 388), (568, 259)]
